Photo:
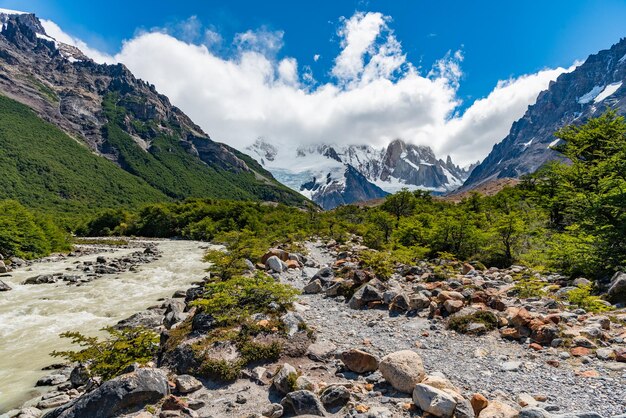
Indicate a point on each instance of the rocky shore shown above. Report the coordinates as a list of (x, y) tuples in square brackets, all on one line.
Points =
[(440, 338)]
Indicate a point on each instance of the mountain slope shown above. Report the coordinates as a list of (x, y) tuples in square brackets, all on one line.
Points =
[(334, 175), (588, 91), (124, 120)]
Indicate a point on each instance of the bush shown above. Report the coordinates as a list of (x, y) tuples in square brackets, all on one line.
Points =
[(109, 357), (529, 287), (582, 297), (460, 323), (234, 300), (379, 262)]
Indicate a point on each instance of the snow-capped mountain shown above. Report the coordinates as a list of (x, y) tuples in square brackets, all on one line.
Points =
[(335, 175), (595, 86)]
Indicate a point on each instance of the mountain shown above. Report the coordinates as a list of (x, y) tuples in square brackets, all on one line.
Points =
[(116, 117), (334, 175), (588, 91)]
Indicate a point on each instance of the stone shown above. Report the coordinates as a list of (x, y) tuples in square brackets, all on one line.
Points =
[(30, 412), (313, 287), (617, 288), (479, 402), (41, 279), (359, 361), (53, 402), (304, 402), (403, 370), (275, 252), (580, 351), (285, 379), (453, 305), (335, 396), (497, 409), (123, 394), (363, 295), (419, 301), (524, 399), (4, 287), (439, 382), (149, 319), (203, 322), (321, 350), (534, 412), (186, 384), (620, 355), (511, 366), (434, 401), (274, 410), (324, 275), (276, 264), (52, 380), (304, 383), (79, 376)]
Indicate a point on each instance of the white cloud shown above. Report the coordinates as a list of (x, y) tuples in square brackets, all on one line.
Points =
[(53, 30), (376, 95), (316, 57)]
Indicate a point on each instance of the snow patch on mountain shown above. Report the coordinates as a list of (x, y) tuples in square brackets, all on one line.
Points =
[(608, 91)]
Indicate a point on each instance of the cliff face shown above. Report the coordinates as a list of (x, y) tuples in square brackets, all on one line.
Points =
[(586, 92), (120, 117)]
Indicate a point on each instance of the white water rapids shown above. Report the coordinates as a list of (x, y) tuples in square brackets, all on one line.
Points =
[(33, 316)]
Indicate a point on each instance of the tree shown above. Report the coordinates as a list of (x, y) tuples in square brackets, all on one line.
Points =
[(400, 204)]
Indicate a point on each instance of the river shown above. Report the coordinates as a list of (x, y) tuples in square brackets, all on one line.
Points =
[(32, 316)]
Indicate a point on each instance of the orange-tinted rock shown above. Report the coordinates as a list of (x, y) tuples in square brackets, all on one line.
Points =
[(359, 361), (292, 264), (590, 373), (282, 254), (620, 355), (536, 347), (553, 363), (510, 333), (580, 351), (479, 402)]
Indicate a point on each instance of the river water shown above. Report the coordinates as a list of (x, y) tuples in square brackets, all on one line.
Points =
[(32, 316)]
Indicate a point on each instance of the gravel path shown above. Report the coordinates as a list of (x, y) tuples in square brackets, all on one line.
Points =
[(474, 364)]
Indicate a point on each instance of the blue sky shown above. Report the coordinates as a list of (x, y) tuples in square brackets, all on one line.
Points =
[(453, 75), (499, 39)]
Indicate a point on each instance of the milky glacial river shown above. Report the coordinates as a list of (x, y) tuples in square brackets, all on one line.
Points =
[(32, 316)]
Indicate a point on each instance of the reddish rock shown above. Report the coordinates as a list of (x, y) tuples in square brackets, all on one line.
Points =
[(536, 347), (282, 254), (510, 333), (589, 373), (292, 264), (580, 351), (620, 355), (553, 363), (453, 305), (467, 268), (479, 402), (359, 361), (173, 403)]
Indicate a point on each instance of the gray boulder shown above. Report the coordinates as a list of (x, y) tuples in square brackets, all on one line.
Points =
[(304, 402), (617, 288), (4, 287), (124, 394), (364, 295), (434, 401), (276, 264)]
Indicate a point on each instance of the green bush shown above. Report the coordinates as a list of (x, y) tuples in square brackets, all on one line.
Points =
[(379, 262), (109, 357), (582, 297)]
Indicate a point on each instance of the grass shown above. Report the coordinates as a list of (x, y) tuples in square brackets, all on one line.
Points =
[(461, 323)]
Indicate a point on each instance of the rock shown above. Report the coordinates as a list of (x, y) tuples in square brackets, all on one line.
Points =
[(453, 305), (30, 412), (359, 361), (284, 381), (400, 303), (293, 322), (202, 322), (434, 401), (439, 382), (313, 287), (276, 264), (304, 402), (4, 287), (419, 301), (363, 295), (187, 384), (79, 376), (580, 351), (124, 394), (41, 279), (321, 350), (617, 288), (52, 380), (304, 383), (497, 409), (53, 402), (524, 399), (479, 402), (511, 366), (282, 255), (335, 396), (152, 318), (534, 412), (620, 355), (324, 275), (403, 370), (274, 410)]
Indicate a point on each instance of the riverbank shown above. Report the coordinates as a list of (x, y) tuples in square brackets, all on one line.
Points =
[(33, 316)]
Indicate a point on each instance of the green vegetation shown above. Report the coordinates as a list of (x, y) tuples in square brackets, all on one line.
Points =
[(23, 234), (109, 357), (582, 297), (460, 323)]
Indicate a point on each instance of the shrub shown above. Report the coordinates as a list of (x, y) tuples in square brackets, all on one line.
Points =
[(110, 356), (582, 297), (460, 323), (234, 300), (379, 262), (529, 287)]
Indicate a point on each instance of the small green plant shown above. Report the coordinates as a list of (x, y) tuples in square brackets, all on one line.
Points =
[(109, 357), (460, 323), (582, 297), (529, 287), (379, 262)]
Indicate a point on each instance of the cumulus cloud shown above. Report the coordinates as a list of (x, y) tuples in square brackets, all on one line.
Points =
[(374, 94)]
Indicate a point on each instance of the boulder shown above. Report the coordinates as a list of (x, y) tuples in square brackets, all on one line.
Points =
[(617, 288), (275, 252), (152, 318), (4, 287), (321, 350), (434, 401), (479, 402), (276, 264), (324, 275), (364, 295), (284, 380), (187, 384), (497, 409), (304, 402), (359, 361), (313, 287), (124, 394), (403, 370), (274, 410), (41, 279), (335, 396)]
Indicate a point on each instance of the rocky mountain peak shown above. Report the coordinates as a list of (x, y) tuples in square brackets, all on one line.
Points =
[(593, 87)]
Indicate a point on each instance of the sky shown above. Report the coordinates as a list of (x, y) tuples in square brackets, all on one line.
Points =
[(450, 74)]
